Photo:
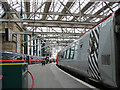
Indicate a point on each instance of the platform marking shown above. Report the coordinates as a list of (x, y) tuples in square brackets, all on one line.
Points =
[(84, 83)]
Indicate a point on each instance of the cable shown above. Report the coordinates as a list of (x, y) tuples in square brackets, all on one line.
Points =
[(32, 78)]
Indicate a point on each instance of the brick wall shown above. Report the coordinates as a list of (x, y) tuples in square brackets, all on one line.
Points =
[(16, 45)]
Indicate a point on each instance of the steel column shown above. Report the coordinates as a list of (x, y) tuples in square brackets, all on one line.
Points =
[(36, 47), (33, 47), (25, 45)]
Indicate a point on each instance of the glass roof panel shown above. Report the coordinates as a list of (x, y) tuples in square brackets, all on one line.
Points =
[(1, 10), (59, 7), (74, 7), (15, 4), (83, 3)]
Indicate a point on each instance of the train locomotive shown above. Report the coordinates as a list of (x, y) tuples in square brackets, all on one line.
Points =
[(96, 54)]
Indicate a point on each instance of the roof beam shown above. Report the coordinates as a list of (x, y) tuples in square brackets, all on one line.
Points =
[(65, 9), (57, 37), (100, 10), (36, 10), (50, 23), (56, 45), (59, 13), (51, 33), (27, 8), (61, 41), (46, 9), (83, 10), (44, 21), (60, 25), (7, 7)]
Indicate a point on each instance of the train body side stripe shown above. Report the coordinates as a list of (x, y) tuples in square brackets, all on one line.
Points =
[(93, 55)]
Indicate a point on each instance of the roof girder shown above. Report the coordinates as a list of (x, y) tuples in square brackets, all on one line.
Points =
[(83, 10), (27, 8), (46, 9), (100, 10), (65, 9)]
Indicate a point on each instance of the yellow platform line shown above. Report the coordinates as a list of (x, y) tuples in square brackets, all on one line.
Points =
[(13, 63)]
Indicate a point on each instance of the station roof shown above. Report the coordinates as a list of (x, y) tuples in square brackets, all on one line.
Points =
[(58, 22)]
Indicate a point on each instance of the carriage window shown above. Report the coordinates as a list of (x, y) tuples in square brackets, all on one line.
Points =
[(4, 57), (19, 58), (76, 45), (7, 58), (61, 55), (68, 53), (64, 54), (72, 52)]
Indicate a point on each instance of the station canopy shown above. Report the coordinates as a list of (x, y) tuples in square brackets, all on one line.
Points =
[(58, 22)]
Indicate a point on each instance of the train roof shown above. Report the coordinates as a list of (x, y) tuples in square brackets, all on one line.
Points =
[(10, 53)]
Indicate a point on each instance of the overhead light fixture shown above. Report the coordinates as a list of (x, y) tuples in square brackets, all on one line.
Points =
[(25, 22)]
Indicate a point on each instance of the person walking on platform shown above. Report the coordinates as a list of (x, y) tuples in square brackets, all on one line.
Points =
[(43, 63)]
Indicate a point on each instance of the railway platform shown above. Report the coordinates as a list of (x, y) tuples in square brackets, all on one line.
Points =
[(50, 76)]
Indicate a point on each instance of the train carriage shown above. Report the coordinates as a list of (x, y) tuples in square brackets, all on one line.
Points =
[(95, 54), (11, 57)]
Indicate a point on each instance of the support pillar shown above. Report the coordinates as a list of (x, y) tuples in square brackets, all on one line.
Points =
[(25, 45), (39, 47), (43, 49), (33, 47), (30, 46), (36, 47)]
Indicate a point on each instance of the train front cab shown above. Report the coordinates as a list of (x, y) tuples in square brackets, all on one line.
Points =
[(117, 45)]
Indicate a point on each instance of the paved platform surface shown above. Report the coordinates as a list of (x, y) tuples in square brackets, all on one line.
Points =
[(49, 76)]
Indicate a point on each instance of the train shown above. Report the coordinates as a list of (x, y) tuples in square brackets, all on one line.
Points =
[(12, 57), (96, 54)]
